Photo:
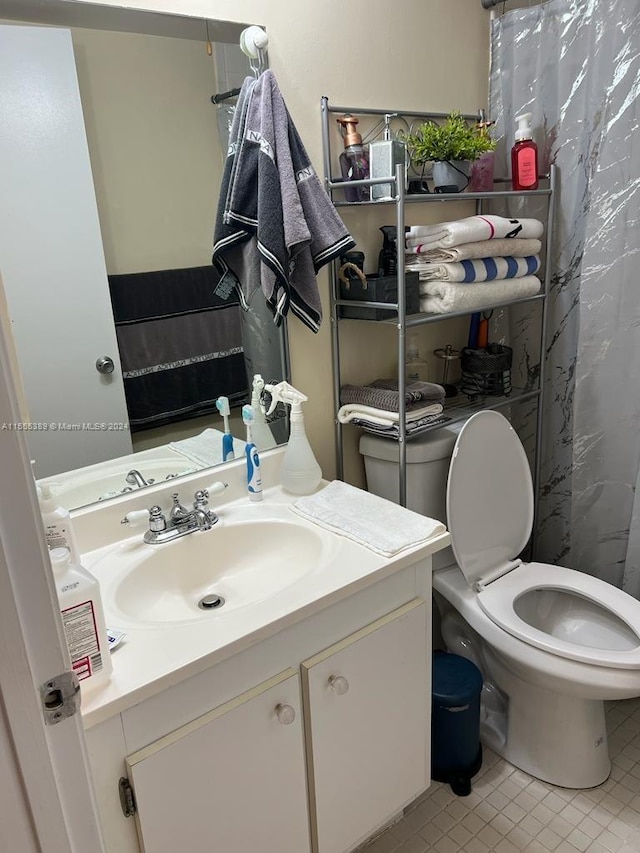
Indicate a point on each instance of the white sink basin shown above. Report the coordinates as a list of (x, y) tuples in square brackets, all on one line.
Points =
[(242, 561)]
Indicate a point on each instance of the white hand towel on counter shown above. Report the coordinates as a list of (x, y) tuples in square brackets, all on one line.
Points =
[(379, 525), (471, 229), (205, 449), (482, 269), (500, 247), (353, 411), (442, 297)]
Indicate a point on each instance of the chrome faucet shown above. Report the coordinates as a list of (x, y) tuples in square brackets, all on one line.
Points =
[(181, 520)]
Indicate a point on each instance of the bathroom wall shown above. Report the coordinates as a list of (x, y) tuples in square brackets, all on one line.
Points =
[(144, 99), (408, 55)]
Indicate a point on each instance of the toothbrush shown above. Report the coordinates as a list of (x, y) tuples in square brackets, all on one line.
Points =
[(254, 480), (222, 405)]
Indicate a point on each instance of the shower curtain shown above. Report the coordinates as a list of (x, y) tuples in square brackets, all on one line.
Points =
[(575, 64)]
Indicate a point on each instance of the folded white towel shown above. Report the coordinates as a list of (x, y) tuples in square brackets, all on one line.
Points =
[(471, 229), (379, 525), (205, 449), (442, 297), (482, 269), (514, 246), (356, 411)]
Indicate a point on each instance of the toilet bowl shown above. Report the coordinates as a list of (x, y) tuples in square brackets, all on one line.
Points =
[(553, 643)]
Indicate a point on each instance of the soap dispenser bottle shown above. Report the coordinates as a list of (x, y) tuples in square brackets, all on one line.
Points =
[(354, 164), (300, 473), (57, 522), (385, 156), (524, 156)]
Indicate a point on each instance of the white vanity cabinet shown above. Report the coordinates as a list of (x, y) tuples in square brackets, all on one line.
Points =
[(366, 701), (234, 779), (310, 739)]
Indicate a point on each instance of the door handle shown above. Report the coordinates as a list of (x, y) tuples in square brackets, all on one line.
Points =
[(105, 364)]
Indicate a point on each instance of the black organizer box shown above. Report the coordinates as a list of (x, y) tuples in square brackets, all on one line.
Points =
[(379, 289)]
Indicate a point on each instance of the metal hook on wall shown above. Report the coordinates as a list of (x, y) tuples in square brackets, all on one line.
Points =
[(253, 43)]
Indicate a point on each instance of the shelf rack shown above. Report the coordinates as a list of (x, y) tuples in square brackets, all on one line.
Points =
[(455, 410)]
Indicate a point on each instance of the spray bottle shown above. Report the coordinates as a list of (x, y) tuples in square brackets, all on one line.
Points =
[(262, 435), (254, 479), (300, 473), (222, 405)]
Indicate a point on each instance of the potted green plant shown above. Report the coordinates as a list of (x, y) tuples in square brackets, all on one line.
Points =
[(451, 146)]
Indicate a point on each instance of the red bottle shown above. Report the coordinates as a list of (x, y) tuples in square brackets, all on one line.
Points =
[(524, 156)]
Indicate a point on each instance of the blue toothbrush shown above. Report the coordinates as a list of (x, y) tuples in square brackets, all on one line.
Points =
[(254, 479), (222, 405)]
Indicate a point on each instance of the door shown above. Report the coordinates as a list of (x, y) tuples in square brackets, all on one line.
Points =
[(51, 256), (232, 780), (368, 710), (47, 787)]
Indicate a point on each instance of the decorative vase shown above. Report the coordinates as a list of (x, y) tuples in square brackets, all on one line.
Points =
[(451, 175), (481, 180)]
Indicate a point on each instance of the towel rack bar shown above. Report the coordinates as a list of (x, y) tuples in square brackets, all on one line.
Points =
[(370, 111)]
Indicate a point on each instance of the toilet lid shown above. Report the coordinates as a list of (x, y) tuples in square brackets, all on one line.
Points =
[(489, 496)]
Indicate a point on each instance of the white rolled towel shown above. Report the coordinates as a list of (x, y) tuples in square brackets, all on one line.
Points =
[(513, 246), (482, 269), (472, 229), (443, 297)]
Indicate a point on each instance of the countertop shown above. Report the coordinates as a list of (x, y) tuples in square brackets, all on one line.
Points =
[(155, 656)]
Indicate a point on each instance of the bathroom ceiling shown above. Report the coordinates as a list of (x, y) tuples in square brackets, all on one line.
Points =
[(93, 16)]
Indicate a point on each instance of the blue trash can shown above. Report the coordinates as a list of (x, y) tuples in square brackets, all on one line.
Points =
[(456, 753)]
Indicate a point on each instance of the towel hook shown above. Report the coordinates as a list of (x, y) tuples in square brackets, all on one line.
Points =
[(253, 43)]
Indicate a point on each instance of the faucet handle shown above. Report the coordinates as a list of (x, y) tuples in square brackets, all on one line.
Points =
[(201, 497), (215, 488), (136, 517)]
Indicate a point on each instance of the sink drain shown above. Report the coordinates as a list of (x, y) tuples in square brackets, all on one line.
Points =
[(211, 602)]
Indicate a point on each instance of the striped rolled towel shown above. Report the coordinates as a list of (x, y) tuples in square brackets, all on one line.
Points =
[(472, 229), (482, 269)]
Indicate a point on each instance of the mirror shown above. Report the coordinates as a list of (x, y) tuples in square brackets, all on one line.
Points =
[(113, 153)]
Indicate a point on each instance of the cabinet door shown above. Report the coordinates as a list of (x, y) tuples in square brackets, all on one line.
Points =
[(367, 715), (232, 780)]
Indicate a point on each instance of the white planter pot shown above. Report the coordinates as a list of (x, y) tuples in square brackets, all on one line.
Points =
[(452, 174)]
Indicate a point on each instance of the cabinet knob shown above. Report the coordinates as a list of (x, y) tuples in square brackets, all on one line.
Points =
[(285, 714), (339, 683)]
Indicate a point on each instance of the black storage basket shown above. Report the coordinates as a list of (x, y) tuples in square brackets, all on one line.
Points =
[(486, 371)]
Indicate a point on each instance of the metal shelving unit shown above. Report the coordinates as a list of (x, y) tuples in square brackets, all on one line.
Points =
[(456, 410)]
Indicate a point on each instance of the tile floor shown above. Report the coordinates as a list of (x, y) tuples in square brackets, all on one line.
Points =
[(510, 812)]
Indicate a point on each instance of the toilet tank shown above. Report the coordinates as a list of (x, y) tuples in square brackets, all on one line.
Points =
[(428, 458)]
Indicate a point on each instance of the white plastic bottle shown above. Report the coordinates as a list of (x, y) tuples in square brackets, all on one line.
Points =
[(57, 523), (300, 473), (83, 618)]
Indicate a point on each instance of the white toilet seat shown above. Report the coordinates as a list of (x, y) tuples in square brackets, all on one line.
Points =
[(490, 512), (499, 599)]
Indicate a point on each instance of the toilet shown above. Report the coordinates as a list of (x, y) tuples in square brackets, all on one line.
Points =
[(553, 643)]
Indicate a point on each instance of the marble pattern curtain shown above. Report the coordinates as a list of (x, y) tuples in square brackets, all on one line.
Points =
[(575, 64)]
